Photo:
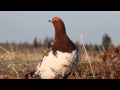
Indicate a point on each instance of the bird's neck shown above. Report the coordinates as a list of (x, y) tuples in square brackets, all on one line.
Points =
[(62, 42), (60, 31)]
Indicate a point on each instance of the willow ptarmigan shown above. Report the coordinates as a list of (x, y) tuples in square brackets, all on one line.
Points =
[(56, 64)]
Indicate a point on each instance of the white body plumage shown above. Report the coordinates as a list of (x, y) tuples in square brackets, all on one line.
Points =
[(53, 66)]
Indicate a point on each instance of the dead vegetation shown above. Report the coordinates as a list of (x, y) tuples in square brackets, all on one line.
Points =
[(16, 63)]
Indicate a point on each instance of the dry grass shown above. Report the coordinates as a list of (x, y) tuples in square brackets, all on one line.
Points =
[(15, 64)]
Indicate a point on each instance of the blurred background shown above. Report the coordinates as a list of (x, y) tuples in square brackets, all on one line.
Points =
[(30, 27)]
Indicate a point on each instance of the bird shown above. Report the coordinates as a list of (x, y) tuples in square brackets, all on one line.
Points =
[(63, 53)]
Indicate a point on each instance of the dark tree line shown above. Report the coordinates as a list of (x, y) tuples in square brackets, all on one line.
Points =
[(46, 42), (106, 42), (37, 43)]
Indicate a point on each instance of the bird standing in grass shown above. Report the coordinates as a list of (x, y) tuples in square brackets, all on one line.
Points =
[(56, 64)]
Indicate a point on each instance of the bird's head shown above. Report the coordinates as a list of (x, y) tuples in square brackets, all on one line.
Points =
[(55, 19), (58, 24)]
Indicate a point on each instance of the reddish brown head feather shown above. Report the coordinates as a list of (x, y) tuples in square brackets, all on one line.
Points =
[(62, 41)]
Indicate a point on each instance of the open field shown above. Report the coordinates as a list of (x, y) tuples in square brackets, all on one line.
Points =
[(15, 63)]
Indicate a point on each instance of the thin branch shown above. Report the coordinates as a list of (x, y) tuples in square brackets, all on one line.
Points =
[(5, 50), (87, 55), (103, 48), (99, 49)]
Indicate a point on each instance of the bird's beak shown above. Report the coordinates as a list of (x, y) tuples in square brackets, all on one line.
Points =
[(49, 20)]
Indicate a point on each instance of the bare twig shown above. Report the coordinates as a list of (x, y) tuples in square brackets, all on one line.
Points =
[(87, 55), (12, 66), (53, 71), (103, 48), (4, 50), (99, 49)]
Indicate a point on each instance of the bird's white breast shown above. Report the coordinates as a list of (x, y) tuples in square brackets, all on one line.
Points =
[(54, 64)]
